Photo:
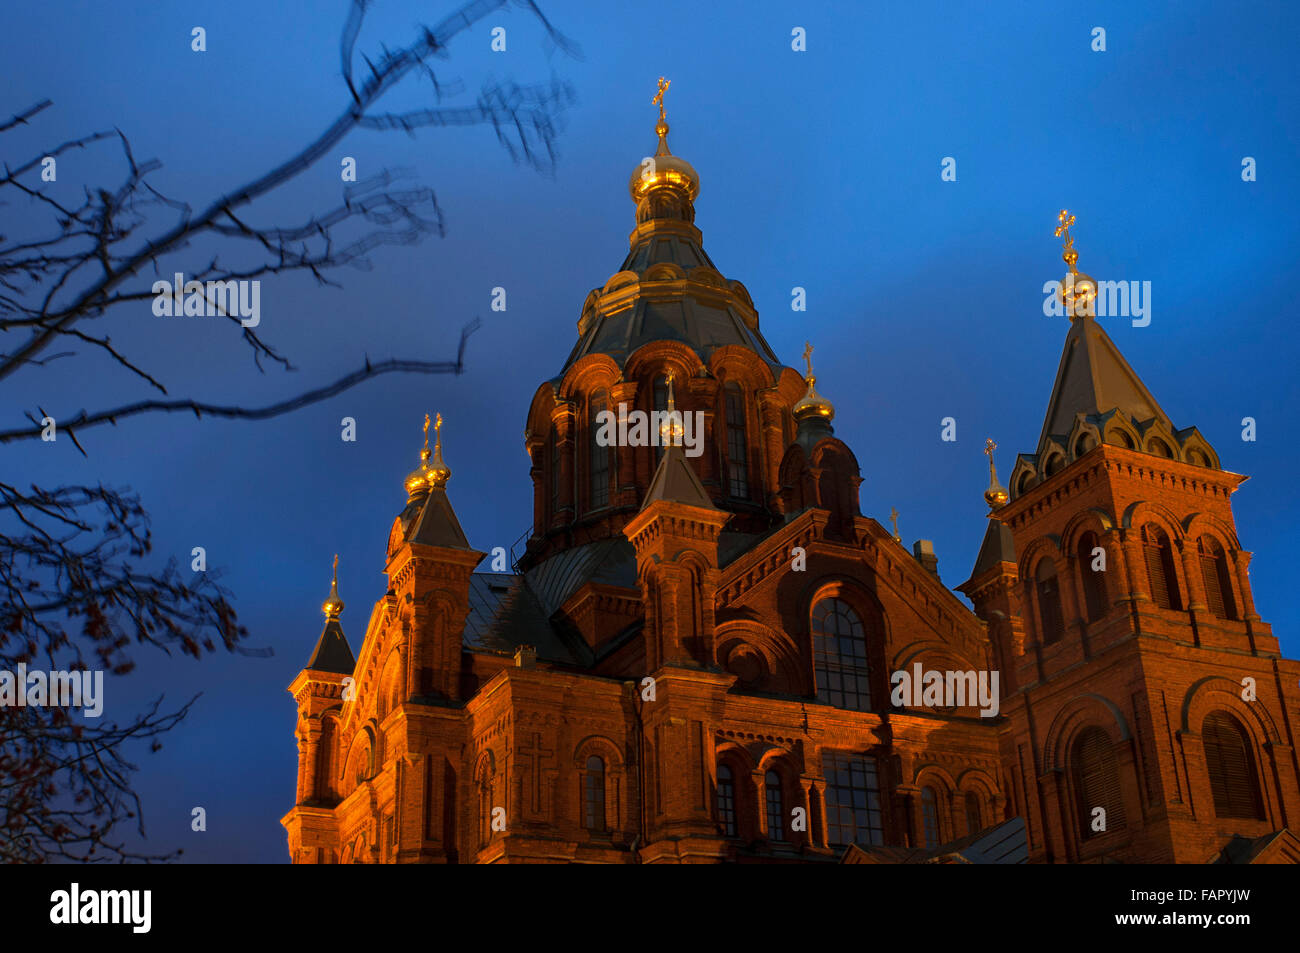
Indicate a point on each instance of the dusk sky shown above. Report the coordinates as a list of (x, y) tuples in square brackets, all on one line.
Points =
[(820, 169)]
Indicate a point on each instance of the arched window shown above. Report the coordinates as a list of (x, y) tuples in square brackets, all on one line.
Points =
[(1121, 438), (737, 455), (1025, 483), (930, 816), (1085, 442), (1160, 567), (1055, 464), (1051, 622), (1218, 584), (974, 817), (660, 398), (1094, 580), (840, 656), (600, 451), (326, 754), (593, 794), (554, 455), (1231, 767), (775, 806), (1160, 449), (726, 801), (1096, 782)]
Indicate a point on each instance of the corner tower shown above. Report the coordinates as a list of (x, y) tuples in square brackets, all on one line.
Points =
[(1152, 717)]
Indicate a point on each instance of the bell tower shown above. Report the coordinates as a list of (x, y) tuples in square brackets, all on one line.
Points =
[(1150, 710)]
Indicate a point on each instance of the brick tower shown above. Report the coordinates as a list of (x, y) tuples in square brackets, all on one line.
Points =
[(1150, 717)]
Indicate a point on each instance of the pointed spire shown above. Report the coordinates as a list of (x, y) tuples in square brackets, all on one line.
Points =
[(333, 606), (332, 652), (996, 495)]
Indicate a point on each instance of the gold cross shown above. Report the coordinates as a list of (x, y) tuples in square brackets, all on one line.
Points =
[(1064, 221), (426, 431), (336, 567), (893, 518), (989, 447), (807, 356), (659, 97)]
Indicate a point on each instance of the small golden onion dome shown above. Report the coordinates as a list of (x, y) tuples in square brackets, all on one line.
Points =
[(419, 480), (996, 496), (672, 429), (812, 404), (1077, 291), (333, 605)]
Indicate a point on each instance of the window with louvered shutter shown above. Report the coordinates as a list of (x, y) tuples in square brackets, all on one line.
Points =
[(1160, 568), (1231, 767), (1096, 782), (1094, 582), (1218, 585), (1049, 603)]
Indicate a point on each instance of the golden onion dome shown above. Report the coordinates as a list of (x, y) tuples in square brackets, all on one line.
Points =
[(812, 404), (663, 169), (996, 496), (1076, 291), (333, 605), (427, 475)]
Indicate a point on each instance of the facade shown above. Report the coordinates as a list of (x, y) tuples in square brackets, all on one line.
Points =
[(692, 659)]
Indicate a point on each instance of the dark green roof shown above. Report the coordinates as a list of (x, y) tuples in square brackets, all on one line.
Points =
[(332, 653)]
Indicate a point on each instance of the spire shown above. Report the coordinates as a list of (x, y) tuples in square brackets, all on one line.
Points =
[(674, 479), (996, 495), (671, 430), (439, 472), (332, 652), (417, 481)]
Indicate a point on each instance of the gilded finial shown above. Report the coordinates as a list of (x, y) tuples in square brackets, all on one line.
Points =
[(1077, 290), (426, 475), (812, 404), (996, 495), (893, 518), (439, 472), (333, 605), (671, 430)]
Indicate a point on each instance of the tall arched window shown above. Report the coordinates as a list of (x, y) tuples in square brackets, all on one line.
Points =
[(1231, 767), (974, 817), (737, 455), (1160, 567), (840, 656), (1094, 580), (930, 816), (1051, 622), (660, 398), (554, 454), (726, 801), (775, 806), (1218, 583), (1096, 782), (593, 794), (599, 451)]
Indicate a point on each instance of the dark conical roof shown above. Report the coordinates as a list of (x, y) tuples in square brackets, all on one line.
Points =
[(1093, 378), (675, 481), (998, 547), (436, 524), (332, 652)]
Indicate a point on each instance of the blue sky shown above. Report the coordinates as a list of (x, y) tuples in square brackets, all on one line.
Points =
[(819, 169)]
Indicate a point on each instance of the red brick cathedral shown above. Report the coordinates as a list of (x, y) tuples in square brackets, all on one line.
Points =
[(705, 652)]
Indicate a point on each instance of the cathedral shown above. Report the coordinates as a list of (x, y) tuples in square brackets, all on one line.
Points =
[(715, 657)]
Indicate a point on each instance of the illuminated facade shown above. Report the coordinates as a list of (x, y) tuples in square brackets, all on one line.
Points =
[(691, 659)]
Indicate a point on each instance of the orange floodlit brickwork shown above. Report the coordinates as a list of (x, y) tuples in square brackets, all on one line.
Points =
[(692, 656)]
